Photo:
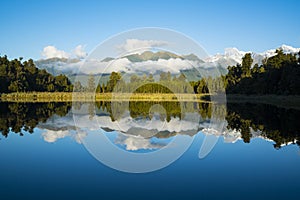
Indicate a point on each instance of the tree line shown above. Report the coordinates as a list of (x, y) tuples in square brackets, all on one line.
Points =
[(23, 76), (276, 75), (167, 83)]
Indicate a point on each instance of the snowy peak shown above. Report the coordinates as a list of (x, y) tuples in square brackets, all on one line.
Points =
[(289, 49), (147, 60), (233, 56)]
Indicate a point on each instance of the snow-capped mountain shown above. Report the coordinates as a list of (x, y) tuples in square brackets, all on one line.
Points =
[(232, 56), (58, 66), (153, 62)]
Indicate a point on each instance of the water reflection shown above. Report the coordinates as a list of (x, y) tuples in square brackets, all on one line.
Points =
[(24, 117), (144, 127), (253, 120)]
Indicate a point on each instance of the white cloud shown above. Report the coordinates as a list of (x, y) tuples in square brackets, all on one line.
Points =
[(174, 65), (79, 52), (53, 52), (96, 66), (137, 46)]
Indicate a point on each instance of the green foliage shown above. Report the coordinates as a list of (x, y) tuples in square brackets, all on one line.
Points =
[(91, 84), (150, 78), (114, 78), (165, 76), (277, 75), (246, 65), (166, 84), (18, 76), (135, 79), (78, 87)]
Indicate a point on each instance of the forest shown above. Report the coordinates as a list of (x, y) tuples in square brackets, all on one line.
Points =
[(167, 83), (23, 76), (278, 75)]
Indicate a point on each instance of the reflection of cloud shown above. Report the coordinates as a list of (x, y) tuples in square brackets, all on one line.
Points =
[(127, 122), (79, 136), (134, 143), (138, 130), (52, 136), (135, 45)]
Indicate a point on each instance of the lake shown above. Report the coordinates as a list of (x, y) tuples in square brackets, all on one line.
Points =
[(204, 151)]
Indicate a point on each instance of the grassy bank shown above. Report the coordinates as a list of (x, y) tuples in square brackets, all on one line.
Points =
[(87, 97), (280, 101)]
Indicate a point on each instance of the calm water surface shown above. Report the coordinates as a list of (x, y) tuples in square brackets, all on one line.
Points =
[(256, 156)]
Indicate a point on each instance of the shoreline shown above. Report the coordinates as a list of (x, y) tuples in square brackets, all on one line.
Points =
[(291, 101), (91, 97)]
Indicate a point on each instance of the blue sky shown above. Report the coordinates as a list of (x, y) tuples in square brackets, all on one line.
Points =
[(29, 26)]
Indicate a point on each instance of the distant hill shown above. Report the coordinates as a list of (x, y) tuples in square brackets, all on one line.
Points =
[(57, 66), (155, 56), (191, 65)]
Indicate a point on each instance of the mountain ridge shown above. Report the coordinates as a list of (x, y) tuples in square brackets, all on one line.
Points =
[(230, 57)]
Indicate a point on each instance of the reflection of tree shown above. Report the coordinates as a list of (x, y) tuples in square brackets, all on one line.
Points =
[(236, 122), (141, 109), (144, 109), (278, 124), (91, 109), (21, 117), (278, 75)]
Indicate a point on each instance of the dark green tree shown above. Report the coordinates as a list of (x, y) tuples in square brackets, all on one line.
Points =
[(114, 78), (91, 84)]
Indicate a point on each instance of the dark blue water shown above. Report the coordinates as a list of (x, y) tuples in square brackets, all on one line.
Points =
[(32, 168)]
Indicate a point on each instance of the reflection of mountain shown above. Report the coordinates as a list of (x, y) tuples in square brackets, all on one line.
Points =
[(21, 117), (134, 143), (137, 128), (58, 66)]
